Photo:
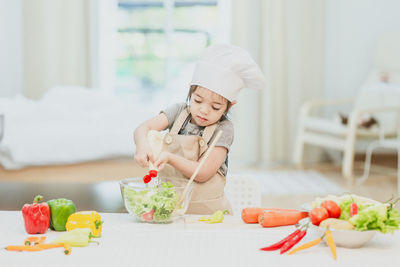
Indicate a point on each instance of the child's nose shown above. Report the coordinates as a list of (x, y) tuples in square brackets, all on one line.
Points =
[(204, 109)]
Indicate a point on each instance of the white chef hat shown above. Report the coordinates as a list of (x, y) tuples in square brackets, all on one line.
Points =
[(226, 69)]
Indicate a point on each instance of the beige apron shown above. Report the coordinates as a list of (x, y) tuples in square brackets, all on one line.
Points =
[(209, 196)]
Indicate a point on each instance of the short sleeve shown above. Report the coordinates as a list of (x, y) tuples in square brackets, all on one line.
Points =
[(172, 112), (227, 136)]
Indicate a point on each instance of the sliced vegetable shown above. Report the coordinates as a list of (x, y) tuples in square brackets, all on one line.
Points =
[(293, 241), (273, 218), (217, 217), (279, 244), (331, 243)]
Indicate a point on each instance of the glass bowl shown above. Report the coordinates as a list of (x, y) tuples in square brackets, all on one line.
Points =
[(344, 238), (155, 202)]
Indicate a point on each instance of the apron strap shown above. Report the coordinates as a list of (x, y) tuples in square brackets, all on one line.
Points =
[(208, 132), (179, 122)]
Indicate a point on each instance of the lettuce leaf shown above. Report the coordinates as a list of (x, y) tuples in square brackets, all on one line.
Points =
[(162, 200), (379, 217)]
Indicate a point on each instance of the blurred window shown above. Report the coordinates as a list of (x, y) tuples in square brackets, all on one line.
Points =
[(159, 41)]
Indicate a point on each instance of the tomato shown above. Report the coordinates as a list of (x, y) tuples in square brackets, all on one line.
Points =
[(332, 208), (353, 209), (317, 215), (148, 216), (153, 173)]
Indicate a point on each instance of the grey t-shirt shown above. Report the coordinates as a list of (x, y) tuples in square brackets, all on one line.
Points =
[(226, 139)]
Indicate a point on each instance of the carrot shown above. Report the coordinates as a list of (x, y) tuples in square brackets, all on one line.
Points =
[(331, 243), (272, 218), (49, 245), (250, 215), (34, 240), (67, 248), (23, 248)]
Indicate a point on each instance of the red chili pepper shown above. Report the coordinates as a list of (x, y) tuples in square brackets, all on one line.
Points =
[(279, 244), (293, 241), (353, 209), (153, 173), (147, 179), (36, 216)]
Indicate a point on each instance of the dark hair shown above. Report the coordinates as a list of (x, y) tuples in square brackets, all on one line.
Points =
[(191, 91)]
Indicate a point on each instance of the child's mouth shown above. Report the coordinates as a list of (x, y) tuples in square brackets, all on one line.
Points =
[(201, 119)]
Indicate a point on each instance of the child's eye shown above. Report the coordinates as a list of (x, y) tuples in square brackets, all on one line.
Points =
[(216, 109), (197, 101)]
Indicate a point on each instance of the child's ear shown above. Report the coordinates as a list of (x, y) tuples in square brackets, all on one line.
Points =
[(232, 103)]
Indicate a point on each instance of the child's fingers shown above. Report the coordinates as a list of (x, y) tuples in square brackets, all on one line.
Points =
[(142, 161), (162, 165), (150, 157)]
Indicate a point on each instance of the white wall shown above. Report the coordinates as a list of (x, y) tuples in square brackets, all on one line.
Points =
[(11, 47), (352, 28)]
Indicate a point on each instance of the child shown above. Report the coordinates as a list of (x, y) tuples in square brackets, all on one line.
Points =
[(220, 73)]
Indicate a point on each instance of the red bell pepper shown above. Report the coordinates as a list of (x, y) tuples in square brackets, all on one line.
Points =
[(36, 216)]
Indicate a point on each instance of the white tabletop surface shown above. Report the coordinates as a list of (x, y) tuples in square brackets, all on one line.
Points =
[(189, 242)]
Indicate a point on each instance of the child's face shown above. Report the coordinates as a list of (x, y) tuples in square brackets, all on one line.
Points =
[(206, 106)]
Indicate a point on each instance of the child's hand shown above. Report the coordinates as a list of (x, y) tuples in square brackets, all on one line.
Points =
[(143, 156), (162, 160)]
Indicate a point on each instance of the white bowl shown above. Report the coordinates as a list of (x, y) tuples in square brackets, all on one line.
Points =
[(344, 238)]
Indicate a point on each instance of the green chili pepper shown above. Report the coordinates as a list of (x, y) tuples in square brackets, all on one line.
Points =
[(217, 217), (60, 209)]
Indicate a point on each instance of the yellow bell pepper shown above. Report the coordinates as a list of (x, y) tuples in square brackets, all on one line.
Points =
[(85, 219)]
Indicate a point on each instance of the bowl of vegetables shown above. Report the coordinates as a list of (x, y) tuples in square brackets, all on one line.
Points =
[(353, 220), (155, 202)]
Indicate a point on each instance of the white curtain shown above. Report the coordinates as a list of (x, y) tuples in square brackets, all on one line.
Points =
[(56, 44), (287, 39)]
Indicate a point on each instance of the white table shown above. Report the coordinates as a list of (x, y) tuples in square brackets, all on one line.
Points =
[(188, 242)]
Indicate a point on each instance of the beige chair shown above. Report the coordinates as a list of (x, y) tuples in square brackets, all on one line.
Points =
[(379, 94)]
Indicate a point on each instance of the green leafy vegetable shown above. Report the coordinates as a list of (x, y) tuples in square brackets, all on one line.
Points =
[(161, 199), (379, 217)]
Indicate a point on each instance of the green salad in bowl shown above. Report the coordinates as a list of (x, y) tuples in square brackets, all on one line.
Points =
[(352, 219), (154, 202)]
